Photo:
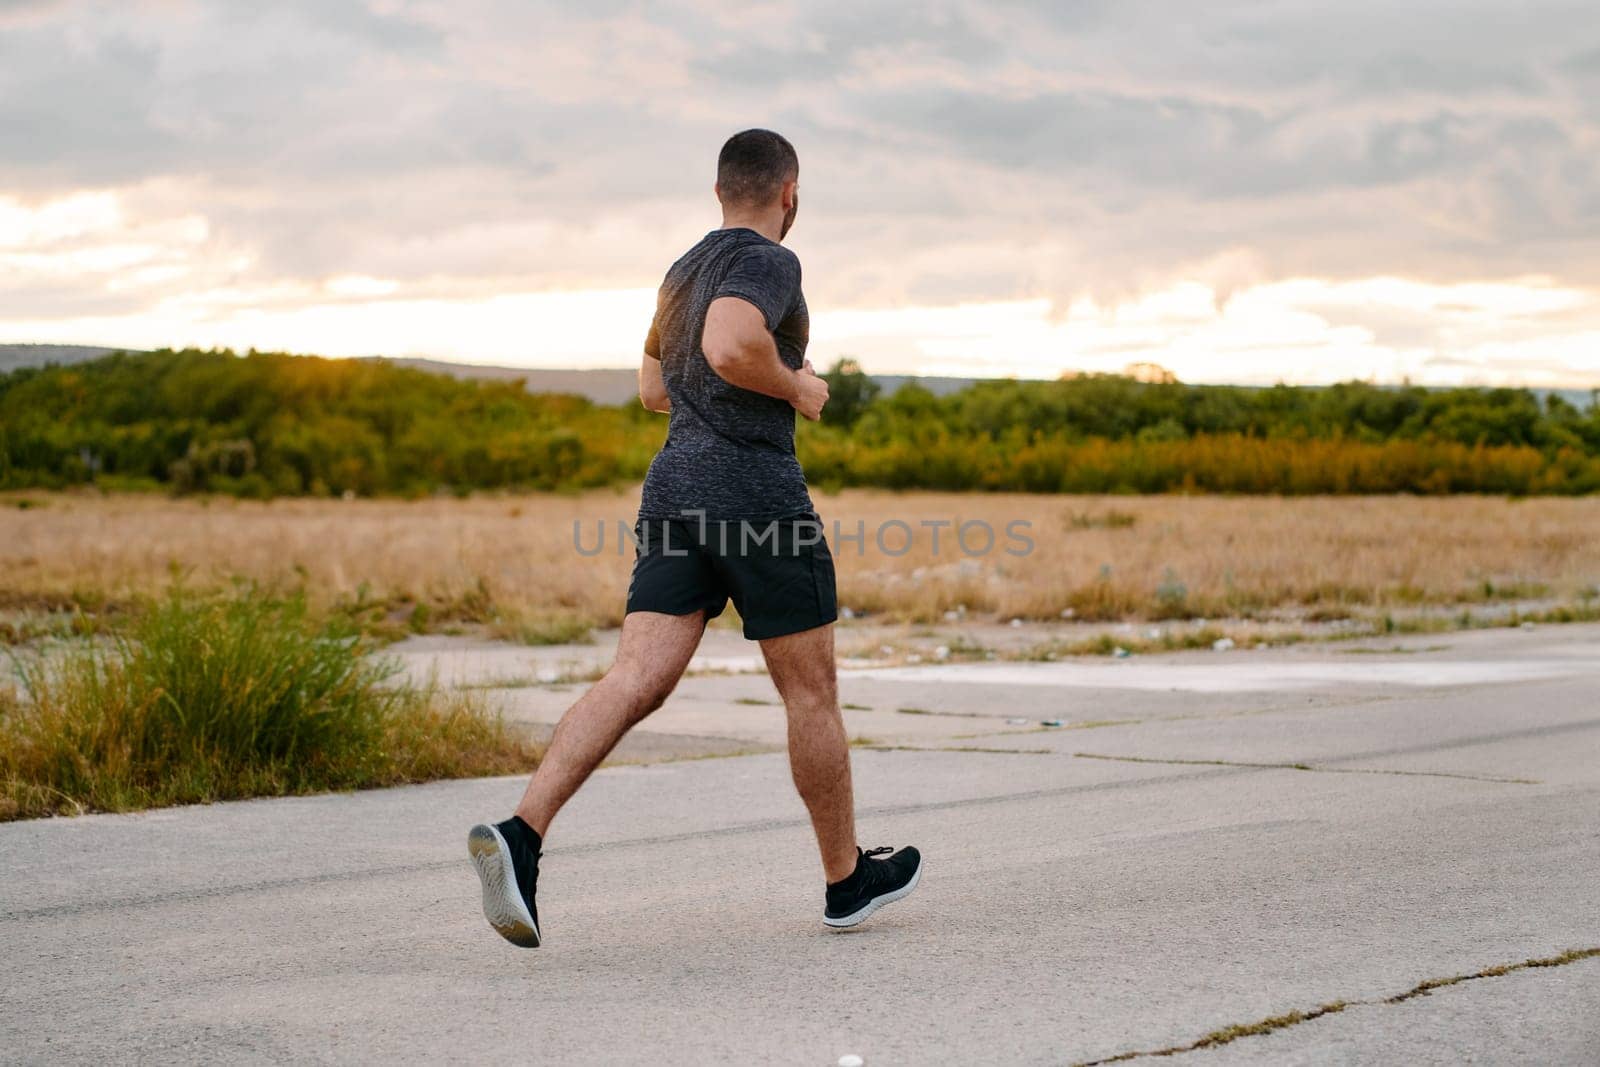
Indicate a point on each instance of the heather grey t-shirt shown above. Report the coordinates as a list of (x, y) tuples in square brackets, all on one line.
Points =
[(729, 451)]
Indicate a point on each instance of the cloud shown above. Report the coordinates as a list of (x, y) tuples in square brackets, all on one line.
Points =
[(969, 152)]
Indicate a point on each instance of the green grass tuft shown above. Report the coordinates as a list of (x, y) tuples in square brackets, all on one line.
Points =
[(542, 628), (213, 698)]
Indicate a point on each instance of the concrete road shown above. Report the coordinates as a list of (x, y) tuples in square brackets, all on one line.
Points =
[(1263, 857)]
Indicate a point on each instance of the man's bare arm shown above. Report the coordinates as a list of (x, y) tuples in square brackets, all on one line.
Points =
[(741, 350), (652, 390)]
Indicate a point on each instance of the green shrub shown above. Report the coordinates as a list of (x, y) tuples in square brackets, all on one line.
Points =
[(270, 424), (203, 699)]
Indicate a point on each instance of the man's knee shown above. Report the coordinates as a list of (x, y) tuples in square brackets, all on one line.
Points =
[(812, 701), (653, 697), (645, 690)]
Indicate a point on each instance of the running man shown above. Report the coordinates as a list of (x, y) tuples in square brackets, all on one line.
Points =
[(724, 514)]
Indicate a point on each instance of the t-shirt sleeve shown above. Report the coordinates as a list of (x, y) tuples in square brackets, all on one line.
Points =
[(768, 276)]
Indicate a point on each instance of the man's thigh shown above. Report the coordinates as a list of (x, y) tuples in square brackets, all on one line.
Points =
[(655, 648), (802, 665)]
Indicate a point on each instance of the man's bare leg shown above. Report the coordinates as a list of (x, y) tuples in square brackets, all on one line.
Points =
[(802, 667), (652, 654)]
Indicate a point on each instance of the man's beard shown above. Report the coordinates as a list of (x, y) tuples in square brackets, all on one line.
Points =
[(788, 217)]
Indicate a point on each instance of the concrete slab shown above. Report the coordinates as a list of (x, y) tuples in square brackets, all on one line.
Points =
[(1237, 672), (1073, 909)]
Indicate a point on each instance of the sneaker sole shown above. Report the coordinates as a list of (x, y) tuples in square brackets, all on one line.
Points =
[(502, 902), (860, 914)]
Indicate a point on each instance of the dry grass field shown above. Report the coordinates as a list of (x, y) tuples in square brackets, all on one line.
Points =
[(511, 563)]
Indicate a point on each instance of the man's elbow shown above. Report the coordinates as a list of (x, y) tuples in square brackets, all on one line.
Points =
[(723, 357), (733, 359)]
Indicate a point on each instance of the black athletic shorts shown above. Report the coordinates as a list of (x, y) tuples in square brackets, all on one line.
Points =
[(779, 573)]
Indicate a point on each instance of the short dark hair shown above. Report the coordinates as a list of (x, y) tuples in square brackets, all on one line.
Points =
[(753, 165)]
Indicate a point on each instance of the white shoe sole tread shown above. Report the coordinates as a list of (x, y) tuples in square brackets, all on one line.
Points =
[(859, 915), (502, 901)]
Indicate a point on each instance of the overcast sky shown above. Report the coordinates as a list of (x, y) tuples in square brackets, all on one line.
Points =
[(1298, 190)]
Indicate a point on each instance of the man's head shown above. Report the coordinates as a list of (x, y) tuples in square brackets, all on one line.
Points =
[(758, 171)]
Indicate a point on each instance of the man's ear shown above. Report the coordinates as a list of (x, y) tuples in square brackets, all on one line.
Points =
[(716, 188), (791, 189)]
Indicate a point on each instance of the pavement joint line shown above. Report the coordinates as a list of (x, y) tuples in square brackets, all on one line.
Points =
[(945, 714), (1263, 1027), (962, 748), (647, 760), (1415, 750), (1531, 733), (51, 911), (1087, 724), (1242, 713), (1308, 767), (1221, 770)]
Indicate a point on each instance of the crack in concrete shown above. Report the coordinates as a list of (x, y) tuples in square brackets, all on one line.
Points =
[(1307, 767), (1215, 771), (1272, 1024), (962, 748), (198, 893), (1530, 734), (1157, 720), (1085, 724), (1422, 989), (945, 714)]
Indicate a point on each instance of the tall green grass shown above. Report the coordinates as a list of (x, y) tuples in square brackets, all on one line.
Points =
[(213, 698)]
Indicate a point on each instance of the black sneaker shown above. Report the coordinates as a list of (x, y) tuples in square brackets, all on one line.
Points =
[(507, 858), (873, 884)]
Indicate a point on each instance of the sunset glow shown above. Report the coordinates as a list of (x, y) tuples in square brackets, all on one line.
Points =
[(986, 192)]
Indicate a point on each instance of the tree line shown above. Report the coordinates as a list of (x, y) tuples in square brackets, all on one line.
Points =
[(271, 424)]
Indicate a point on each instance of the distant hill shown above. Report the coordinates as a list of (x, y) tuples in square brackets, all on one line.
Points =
[(13, 357), (607, 385), (604, 386), (616, 385), (1582, 399)]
